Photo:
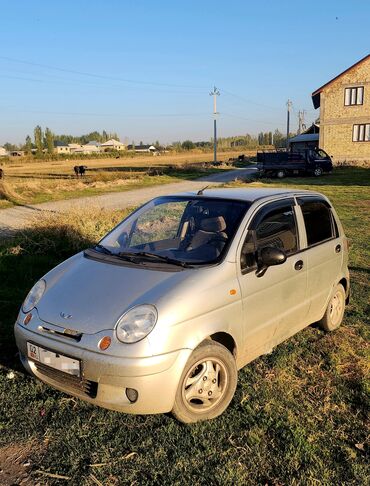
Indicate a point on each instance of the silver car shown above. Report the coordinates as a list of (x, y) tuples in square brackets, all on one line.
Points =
[(161, 314)]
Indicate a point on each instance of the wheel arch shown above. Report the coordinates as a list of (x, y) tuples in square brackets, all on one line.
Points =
[(226, 340)]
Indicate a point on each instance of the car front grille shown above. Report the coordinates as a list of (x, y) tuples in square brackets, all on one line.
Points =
[(89, 388)]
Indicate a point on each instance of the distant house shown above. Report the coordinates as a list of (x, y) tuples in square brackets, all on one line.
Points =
[(61, 147), (87, 149), (309, 139), (3, 152), (74, 147), (112, 144), (344, 104), (94, 143), (142, 148)]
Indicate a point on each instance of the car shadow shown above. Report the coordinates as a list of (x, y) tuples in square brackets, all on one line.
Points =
[(25, 256)]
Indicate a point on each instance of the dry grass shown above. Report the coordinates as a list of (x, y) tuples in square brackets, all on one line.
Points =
[(33, 182)]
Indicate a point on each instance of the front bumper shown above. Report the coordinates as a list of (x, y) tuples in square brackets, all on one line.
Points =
[(105, 378)]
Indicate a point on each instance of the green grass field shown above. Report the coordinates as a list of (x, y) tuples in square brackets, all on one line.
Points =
[(299, 416)]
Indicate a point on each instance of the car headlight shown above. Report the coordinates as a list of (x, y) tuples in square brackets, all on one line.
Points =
[(136, 323), (34, 296)]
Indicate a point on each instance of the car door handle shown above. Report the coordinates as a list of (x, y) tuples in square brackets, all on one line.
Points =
[(338, 249), (298, 265)]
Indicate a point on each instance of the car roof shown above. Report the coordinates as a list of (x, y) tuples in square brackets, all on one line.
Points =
[(247, 194)]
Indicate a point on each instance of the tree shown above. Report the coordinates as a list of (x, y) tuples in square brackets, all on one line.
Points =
[(38, 140), (187, 145), (28, 145), (9, 147), (49, 141)]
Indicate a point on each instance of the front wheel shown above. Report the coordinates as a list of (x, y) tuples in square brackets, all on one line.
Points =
[(207, 383), (317, 171), (280, 174), (333, 316)]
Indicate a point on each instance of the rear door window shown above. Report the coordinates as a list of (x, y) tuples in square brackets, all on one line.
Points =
[(319, 221)]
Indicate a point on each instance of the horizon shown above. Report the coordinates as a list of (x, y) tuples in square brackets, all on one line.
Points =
[(149, 78)]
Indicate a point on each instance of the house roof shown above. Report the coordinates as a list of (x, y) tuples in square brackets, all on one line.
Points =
[(316, 94), (93, 142), (305, 137), (59, 143), (111, 142)]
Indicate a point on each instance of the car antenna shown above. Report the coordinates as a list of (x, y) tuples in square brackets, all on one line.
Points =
[(200, 192)]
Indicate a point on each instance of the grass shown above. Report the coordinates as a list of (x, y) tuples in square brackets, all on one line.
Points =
[(299, 416), (32, 182)]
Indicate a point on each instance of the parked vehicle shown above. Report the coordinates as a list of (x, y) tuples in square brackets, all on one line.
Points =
[(161, 314), (282, 163)]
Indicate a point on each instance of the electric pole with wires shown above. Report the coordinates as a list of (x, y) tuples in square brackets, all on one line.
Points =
[(214, 93)]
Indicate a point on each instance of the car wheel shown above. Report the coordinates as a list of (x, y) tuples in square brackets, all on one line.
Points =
[(280, 174), (334, 312), (317, 172), (207, 383)]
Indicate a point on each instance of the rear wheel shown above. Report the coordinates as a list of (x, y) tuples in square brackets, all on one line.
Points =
[(334, 312), (280, 174), (207, 384)]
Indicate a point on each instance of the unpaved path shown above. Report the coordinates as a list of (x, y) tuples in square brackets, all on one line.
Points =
[(20, 216)]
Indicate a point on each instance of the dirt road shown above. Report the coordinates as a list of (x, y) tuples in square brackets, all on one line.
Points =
[(20, 216)]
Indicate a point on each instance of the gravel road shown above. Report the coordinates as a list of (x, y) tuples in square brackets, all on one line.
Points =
[(20, 216)]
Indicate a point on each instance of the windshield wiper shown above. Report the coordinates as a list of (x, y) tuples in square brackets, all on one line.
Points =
[(104, 249), (130, 257), (154, 256)]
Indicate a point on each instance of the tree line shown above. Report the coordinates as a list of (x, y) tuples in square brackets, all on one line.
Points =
[(43, 140)]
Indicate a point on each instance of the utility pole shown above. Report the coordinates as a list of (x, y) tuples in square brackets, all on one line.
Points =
[(214, 93), (301, 121), (288, 105)]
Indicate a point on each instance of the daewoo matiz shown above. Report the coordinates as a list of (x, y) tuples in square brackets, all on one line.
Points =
[(161, 314)]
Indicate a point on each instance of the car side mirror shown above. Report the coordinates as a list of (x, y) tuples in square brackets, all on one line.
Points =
[(269, 257), (122, 240)]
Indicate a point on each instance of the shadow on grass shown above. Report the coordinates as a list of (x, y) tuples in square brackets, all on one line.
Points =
[(341, 176), (24, 258)]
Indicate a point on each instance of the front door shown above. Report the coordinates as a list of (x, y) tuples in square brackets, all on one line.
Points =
[(274, 305)]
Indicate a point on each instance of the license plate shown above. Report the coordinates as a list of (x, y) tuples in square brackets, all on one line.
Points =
[(54, 360)]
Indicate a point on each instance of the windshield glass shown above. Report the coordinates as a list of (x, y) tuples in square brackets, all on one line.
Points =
[(320, 153), (190, 230)]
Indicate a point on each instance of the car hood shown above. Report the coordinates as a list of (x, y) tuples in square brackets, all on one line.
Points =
[(89, 296)]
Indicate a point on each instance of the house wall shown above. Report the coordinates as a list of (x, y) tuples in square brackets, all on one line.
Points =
[(62, 150), (337, 120)]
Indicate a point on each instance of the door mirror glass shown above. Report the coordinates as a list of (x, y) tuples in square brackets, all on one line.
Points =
[(272, 256), (269, 257)]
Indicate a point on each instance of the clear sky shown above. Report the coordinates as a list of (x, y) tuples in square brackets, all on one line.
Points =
[(145, 68)]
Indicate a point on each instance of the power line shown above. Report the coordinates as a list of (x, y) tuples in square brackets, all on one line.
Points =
[(100, 76)]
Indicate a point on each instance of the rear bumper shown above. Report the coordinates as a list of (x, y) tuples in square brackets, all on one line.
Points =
[(155, 378)]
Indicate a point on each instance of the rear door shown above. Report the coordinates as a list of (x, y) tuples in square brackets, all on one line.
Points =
[(274, 305), (324, 252)]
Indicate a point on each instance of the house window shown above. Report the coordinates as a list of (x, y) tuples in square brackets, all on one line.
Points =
[(354, 96), (361, 133)]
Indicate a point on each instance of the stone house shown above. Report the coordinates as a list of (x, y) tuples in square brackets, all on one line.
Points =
[(344, 104)]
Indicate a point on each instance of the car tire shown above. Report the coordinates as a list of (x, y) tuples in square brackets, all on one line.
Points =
[(317, 172), (280, 174), (207, 384), (333, 316)]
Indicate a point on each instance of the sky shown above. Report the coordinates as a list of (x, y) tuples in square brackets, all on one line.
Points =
[(145, 69)]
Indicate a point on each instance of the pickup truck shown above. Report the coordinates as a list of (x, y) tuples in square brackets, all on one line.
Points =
[(283, 163)]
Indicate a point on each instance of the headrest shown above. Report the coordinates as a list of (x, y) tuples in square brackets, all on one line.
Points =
[(213, 225)]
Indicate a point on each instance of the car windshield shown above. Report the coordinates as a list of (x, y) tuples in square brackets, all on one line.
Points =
[(320, 153), (190, 230)]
